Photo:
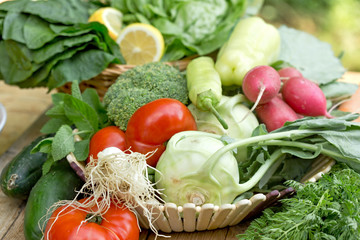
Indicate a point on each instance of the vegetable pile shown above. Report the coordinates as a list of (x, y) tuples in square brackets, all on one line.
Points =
[(251, 120)]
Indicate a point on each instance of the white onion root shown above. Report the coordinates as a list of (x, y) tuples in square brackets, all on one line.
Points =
[(118, 177)]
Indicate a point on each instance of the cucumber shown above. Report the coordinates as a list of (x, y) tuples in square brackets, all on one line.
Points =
[(59, 184), (23, 171)]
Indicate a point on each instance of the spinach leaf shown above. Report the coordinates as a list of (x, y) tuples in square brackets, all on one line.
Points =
[(37, 32), (84, 65), (15, 64), (43, 73), (61, 45), (45, 38), (13, 26), (55, 11)]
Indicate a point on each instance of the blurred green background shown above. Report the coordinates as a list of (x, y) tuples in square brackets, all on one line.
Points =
[(333, 21)]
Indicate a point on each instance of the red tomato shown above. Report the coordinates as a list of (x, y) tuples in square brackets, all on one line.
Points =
[(118, 223), (153, 124), (110, 136)]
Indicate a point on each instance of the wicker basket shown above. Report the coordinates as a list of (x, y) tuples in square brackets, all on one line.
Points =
[(190, 218), (107, 77), (169, 217)]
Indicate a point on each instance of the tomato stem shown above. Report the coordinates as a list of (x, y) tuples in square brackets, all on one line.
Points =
[(94, 218)]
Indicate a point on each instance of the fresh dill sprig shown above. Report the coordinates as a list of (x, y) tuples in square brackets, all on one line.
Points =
[(327, 209)]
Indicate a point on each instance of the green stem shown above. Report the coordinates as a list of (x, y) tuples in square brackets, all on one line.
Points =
[(94, 219), (210, 164), (312, 147), (208, 104), (260, 172), (82, 132)]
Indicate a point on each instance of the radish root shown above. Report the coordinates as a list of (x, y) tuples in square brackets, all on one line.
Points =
[(261, 93)]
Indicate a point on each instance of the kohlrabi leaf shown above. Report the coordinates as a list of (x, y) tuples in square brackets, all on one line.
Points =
[(314, 58), (339, 90)]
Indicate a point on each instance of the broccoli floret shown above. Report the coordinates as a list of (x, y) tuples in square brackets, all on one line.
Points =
[(141, 85)]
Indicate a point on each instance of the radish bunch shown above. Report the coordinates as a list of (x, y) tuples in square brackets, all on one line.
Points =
[(275, 104)]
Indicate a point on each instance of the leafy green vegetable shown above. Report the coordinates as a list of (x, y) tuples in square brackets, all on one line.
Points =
[(81, 110), (37, 32), (326, 209), (338, 90), (189, 27), (63, 143), (50, 50), (207, 168), (18, 70), (312, 57), (84, 65), (55, 11), (45, 46), (13, 26)]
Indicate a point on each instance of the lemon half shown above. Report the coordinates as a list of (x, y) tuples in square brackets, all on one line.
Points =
[(141, 43), (111, 18)]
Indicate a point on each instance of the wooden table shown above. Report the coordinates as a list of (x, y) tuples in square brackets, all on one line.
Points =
[(25, 110)]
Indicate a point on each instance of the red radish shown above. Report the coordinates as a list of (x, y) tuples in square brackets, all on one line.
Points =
[(275, 113), (289, 72), (261, 82), (305, 97)]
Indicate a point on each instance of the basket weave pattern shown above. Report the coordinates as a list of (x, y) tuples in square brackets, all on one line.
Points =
[(106, 78), (170, 217)]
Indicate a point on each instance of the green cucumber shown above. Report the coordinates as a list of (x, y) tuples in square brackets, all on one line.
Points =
[(23, 171), (58, 184)]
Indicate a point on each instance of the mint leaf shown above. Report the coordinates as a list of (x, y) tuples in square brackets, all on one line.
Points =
[(91, 97), (53, 125), (63, 143), (75, 90), (314, 58), (82, 150), (43, 146), (81, 114), (47, 165), (57, 111), (58, 98)]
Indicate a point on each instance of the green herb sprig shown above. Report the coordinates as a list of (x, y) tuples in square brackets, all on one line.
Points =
[(83, 111), (327, 209)]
